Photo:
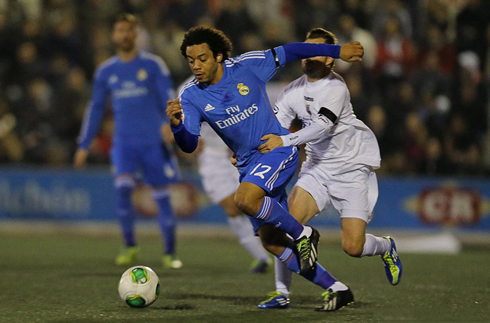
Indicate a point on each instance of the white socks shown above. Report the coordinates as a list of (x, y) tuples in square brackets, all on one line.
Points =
[(307, 231), (338, 286), (375, 246), (244, 230), (283, 276)]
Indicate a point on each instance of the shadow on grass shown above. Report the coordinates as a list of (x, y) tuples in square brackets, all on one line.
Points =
[(298, 302), (176, 307)]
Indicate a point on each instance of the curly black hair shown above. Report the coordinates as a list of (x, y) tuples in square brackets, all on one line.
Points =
[(216, 40)]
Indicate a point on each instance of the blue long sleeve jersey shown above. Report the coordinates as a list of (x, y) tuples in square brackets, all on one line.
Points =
[(237, 107), (139, 90)]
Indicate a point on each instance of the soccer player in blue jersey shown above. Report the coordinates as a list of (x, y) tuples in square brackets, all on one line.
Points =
[(229, 94), (139, 85)]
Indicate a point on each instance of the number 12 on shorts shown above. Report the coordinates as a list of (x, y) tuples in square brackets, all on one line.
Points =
[(263, 169)]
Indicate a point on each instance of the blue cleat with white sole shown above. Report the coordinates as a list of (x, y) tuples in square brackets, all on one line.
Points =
[(276, 300), (393, 264)]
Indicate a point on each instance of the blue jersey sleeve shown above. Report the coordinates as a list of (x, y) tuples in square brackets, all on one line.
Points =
[(95, 111), (164, 86), (262, 63), (192, 117), (294, 51), (184, 139)]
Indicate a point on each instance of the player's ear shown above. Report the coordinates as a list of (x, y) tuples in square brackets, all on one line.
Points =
[(329, 61), (219, 58)]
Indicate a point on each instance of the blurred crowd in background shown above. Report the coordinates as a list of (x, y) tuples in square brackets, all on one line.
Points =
[(422, 87)]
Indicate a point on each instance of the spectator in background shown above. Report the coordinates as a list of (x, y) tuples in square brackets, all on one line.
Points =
[(394, 56), (313, 13), (167, 40), (415, 142), (11, 149), (436, 44), (356, 10), (28, 64), (435, 162), (185, 12), (472, 21), (386, 11), (349, 31), (237, 21), (53, 40), (461, 146)]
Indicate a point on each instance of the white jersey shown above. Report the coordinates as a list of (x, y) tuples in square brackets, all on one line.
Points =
[(349, 144), (213, 144)]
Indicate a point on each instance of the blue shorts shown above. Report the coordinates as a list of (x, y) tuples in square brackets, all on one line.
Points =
[(157, 164), (272, 172)]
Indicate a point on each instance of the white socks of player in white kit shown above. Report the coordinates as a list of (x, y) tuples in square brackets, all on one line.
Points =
[(244, 230), (375, 246)]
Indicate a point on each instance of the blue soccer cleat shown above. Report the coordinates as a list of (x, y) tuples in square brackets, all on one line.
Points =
[(393, 264), (275, 300)]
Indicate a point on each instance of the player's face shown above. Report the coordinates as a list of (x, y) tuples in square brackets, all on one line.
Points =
[(316, 66), (124, 35), (203, 64)]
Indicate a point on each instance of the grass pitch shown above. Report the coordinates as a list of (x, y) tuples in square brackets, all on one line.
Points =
[(70, 277)]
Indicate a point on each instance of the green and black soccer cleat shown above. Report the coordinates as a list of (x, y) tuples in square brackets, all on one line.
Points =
[(333, 301), (307, 250)]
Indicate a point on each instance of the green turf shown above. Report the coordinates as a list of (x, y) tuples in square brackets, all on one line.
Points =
[(72, 278)]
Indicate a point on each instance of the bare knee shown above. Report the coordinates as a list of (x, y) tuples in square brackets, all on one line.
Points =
[(353, 249), (247, 203)]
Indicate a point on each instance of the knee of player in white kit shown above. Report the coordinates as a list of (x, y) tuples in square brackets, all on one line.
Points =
[(353, 248)]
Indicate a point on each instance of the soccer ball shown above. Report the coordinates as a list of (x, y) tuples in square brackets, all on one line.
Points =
[(139, 286)]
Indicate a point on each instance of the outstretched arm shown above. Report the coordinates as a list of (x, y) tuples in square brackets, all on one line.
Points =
[(350, 52)]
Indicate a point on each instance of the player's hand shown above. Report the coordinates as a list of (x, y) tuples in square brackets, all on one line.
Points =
[(272, 143), (234, 160), (352, 52), (80, 158), (174, 111)]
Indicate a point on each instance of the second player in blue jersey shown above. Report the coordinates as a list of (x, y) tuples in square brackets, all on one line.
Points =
[(139, 85)]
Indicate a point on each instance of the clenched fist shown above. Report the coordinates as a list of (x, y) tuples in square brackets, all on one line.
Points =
[(352, 52), (174, 112)]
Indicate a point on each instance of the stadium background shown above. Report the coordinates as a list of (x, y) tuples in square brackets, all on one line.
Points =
[(423, 88)]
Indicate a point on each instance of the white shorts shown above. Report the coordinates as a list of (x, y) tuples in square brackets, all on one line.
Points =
[(219, 176), (352, 194)]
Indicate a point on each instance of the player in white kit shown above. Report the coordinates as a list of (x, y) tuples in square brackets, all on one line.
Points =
[(220, 181), (342, 154)]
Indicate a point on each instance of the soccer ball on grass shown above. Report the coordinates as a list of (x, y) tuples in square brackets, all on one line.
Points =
[(139, 286)]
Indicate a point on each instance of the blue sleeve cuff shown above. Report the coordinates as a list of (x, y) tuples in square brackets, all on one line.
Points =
[(296, 51), (176, 129), (186, 141)]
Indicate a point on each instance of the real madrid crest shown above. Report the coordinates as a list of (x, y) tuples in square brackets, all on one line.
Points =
[(142, 74), (243, 89)]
